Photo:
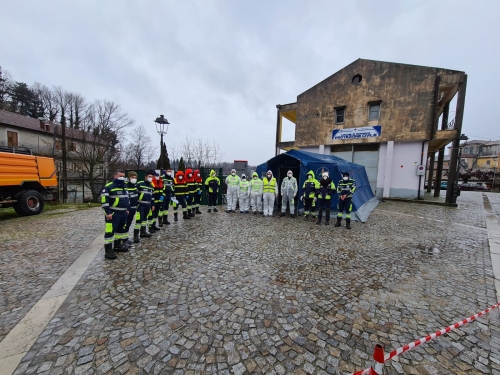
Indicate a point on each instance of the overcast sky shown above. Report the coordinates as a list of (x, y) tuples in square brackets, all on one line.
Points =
[(217, 69)]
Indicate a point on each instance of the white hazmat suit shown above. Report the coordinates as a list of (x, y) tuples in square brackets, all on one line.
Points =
[(289, 190), (232, 183), (270, 193), (256, 193)]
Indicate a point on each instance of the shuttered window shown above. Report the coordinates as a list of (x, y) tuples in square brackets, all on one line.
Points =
[(12, 139)]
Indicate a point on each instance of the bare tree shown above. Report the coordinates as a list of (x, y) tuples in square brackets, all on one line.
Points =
[(198, 152), (5, 82), (138, 151), (98, 150), (48, 100)]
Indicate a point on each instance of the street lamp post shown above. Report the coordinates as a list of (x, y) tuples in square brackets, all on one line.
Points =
[(160, 129)]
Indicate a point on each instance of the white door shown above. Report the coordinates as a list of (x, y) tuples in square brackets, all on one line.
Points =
[(367, 156)]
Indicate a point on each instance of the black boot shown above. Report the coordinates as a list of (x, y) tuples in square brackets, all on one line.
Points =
[(144, 234), (348, 223), (320, 216), (209, 210), (327, 217), (154, 227), (185, 216), (108, 251), (126, 245), (339, 222), (119, 247), (306, 217), (160, 221), (189, 213), (136, 236), (282, 214), (192, 213), (293, 216), (165, 220), (215, 209), (198, 210), (175, 217)]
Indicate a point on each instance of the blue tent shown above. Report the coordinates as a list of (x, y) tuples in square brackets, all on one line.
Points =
[(301, 162)]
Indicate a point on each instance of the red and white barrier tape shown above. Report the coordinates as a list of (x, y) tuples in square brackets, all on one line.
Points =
[(416, 343), (394, 353)]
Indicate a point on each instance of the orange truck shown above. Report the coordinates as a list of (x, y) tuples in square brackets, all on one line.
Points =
[(26, 182)]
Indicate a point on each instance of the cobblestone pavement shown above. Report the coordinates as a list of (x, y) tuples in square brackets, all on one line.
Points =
[(34, 252), (494, 199), (237, 294)]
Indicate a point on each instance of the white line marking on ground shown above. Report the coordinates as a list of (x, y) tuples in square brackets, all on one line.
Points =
[(22, 337)]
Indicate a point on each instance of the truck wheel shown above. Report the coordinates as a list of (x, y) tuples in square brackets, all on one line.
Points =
[(29, 202)]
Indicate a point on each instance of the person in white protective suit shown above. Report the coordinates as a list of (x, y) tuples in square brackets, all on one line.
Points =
[(244, 194), (232, 183), (256, 186), (289, 190), (270, 193)]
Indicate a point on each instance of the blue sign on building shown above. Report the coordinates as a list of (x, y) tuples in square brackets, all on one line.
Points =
[(353, 133)]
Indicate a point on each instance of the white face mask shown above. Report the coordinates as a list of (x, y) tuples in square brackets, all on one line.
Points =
[(198, 175), (325, 177), (180, 177), (268, 176), (157, 178), (121, 178), (233, 173), (169, 174), (133, 180), (289, 175), (150, 179), (345, 178), (255, 177)]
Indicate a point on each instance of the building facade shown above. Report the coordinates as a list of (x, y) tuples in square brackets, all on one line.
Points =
[(381, 115)]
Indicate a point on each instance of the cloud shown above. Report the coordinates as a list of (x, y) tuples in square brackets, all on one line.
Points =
[(217, 69)]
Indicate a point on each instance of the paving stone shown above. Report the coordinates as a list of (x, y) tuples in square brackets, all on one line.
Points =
[(196, 299)]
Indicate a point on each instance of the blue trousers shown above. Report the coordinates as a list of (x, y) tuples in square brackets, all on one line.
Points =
[(345, 205), (115, 227), (130, 218), (141, 216)]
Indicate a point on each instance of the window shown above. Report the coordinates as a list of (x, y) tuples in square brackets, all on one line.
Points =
[(374, 112), (12, 140), (356, 79), (72, 146), (488, 162), (58, 145), (466, 150), (339, 115)]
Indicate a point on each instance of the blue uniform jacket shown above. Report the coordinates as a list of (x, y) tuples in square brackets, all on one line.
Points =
[(114, 197)]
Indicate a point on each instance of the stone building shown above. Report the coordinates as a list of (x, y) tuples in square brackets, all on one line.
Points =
[(381, 115)]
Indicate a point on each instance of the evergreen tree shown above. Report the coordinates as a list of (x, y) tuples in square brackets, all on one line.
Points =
[(181, 166), (164, 156)]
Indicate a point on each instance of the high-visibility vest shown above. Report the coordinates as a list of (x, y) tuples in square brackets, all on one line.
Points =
[(256, 184), (233, 180), (244, 186), (269, 186)]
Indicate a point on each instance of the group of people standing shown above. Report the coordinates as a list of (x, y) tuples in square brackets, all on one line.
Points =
[(149, 201), (257, 192)]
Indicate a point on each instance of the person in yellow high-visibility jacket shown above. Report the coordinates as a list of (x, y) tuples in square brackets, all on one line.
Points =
[(270, 193)]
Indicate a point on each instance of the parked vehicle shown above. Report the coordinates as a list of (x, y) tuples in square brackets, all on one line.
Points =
[(26, 182), (444, 185), (473, 186)]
